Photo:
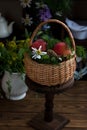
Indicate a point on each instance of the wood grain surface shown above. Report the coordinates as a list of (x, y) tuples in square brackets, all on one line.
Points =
[(72, 104)]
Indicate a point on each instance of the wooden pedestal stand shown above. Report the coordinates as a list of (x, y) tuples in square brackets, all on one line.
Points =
[(48, 120)]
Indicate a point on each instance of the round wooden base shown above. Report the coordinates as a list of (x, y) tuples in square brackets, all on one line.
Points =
[(57, 123)]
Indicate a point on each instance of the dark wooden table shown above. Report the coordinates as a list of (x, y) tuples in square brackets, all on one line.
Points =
[(48, 120), (72, 104)]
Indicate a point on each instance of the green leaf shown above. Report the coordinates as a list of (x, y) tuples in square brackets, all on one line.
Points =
[(68, 42), (21, 53), (81, 51)]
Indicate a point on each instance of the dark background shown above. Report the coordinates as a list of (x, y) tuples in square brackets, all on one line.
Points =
[(12, 10)]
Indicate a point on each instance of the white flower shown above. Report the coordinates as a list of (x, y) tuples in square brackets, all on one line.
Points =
[(37, 53), (60, 58), (73, 53), (40, 5), (27, 20), (25, 3), (59, 13)]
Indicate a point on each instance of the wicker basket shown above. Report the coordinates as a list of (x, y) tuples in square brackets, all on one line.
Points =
[(47, 74)]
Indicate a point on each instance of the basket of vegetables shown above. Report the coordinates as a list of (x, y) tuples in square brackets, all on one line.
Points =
[(50, 61)]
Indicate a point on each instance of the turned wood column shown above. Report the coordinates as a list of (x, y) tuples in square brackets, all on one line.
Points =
[(48, 113)]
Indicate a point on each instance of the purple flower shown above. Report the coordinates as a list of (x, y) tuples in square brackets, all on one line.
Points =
[(44, 13)]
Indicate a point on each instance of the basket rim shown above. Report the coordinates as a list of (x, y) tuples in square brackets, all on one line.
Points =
[(35, 62)]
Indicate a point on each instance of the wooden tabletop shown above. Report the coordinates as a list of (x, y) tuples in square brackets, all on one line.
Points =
[(15, 115)]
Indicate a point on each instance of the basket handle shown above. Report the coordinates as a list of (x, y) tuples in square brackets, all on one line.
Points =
[(51, 21)]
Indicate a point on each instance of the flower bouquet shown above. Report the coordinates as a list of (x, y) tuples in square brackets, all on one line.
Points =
[(11, 55), (50, 61)]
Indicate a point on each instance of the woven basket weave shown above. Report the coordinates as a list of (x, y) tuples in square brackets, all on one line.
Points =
[(47, 74)]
